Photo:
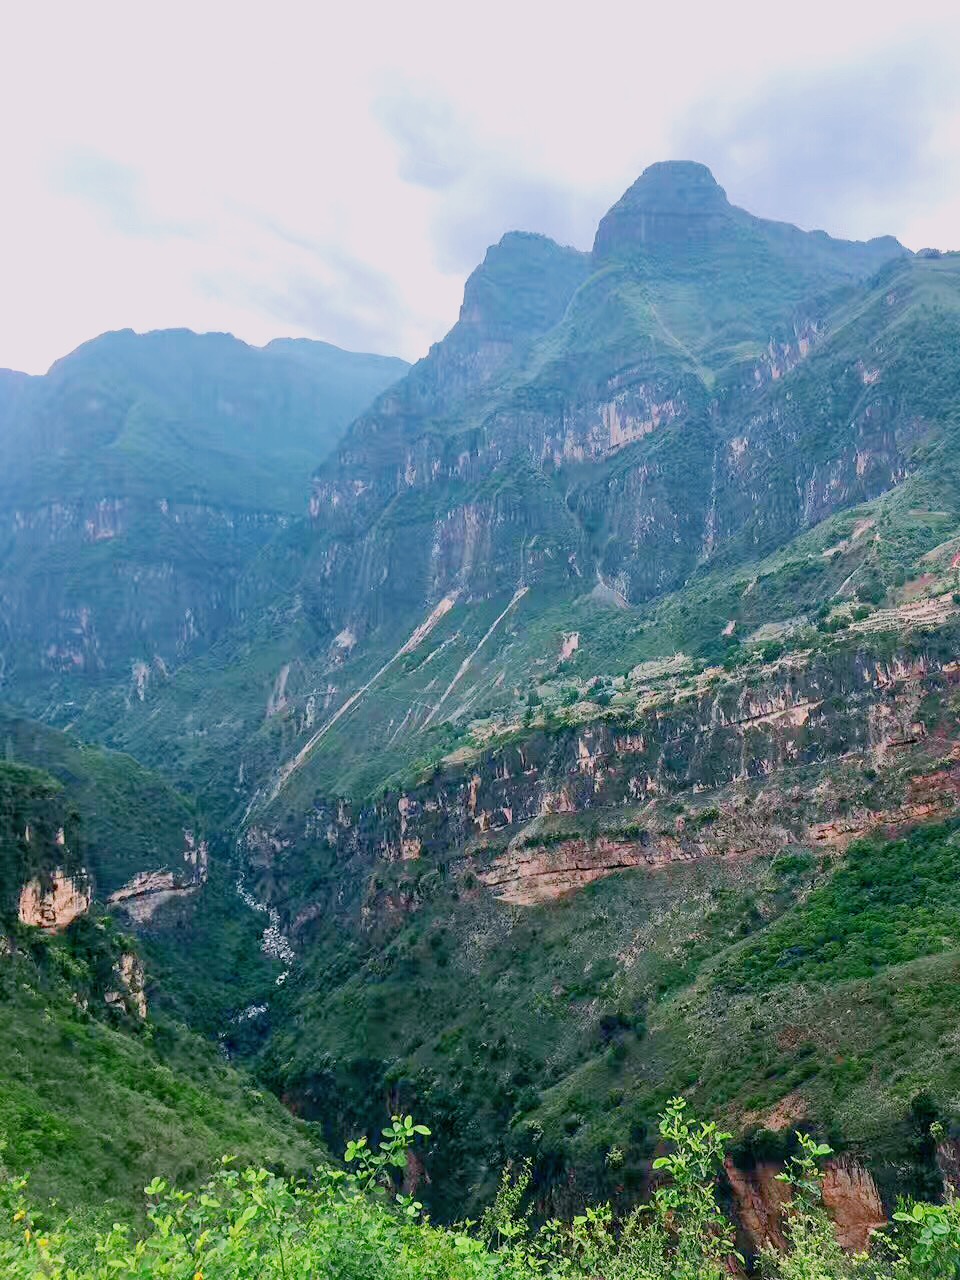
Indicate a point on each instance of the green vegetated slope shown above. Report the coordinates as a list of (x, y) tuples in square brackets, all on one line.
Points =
[(202, 947), (356, 1224), (94, 1099), (95, 1108), (141, 474), (32, 817), (128, 819), (186, 417), (558, 1032), (651, 497)]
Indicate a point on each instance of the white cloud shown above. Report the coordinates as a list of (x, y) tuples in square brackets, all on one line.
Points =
[(304, 169)]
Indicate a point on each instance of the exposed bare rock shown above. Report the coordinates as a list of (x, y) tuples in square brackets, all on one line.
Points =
[(759, 1200), (948, 1162), (142, 896), (55, 905), (785, 1114), (570, 645), (853, 1201), (850, 1196), (935, 795), (130, 993), (528, 876)]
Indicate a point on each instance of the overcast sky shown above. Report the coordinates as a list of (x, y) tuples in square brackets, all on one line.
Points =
[(335, 170)]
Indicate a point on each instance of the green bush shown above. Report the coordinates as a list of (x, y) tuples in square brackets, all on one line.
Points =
[(891, 901), (353, 1224)]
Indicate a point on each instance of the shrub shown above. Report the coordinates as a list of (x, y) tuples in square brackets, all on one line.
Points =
[(352, 1224)]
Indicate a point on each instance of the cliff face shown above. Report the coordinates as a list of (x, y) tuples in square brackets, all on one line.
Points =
[(143, 895), (539, 817), (45, 863), (850, 1196), (43, 880), (121, 587), (596, 432), (130, 992), (143, 474), (475, 482), (54, 905), (96, 829)]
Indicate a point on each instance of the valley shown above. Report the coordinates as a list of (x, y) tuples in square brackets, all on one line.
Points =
[(519, 739)]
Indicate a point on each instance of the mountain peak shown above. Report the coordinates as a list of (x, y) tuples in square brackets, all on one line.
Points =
[(522, 286), (673, 202), (682, 180)]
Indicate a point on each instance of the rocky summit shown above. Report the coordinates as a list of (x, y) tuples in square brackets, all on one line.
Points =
[(522, 738)]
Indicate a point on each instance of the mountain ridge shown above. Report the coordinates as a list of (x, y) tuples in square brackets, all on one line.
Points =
[(145, 461), (608, 633), (482, 438)]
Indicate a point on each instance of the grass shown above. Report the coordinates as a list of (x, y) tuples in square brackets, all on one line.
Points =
[(890, 902), (95, 1105)]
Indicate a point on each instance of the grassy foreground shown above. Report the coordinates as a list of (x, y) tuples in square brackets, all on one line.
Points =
[(355, 1225), (96, 1103)]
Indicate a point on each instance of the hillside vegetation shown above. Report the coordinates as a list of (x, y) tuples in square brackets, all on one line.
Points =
[(101, 1087), (354, 1225), (578, 730)]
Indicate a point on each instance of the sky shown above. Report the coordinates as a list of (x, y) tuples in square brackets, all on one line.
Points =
[(335, 170)]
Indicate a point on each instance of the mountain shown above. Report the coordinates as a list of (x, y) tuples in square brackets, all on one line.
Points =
[(106, 1086), (593, 736), (601, 426), (141, 474)]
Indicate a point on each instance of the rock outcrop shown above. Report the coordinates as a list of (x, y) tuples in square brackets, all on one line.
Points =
[(537, 818), (130, 993), (53, 902), (143, 896), (850, 1196), (853, 1201)]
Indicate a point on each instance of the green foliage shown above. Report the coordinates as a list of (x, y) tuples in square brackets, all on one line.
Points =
[(94, 1101), (891, 901), (186, 416), (119, 817), (562, 1033), (251, 1224), (933, 1239), (33, 811)]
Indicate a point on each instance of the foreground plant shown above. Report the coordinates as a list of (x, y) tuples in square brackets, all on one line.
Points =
[(353, 1223)]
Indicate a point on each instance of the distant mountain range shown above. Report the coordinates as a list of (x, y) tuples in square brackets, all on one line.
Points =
[(141, 475)]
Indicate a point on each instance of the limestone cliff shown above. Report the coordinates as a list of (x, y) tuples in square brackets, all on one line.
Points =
[(546, 814), (53, 905)]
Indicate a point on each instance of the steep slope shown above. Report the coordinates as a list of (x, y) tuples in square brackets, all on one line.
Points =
[(611, 626), (539, 944), (140, 475), (108, 835), (94, 1107), (99, 1090), (132, 820), (630, 359), (606, 427)]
